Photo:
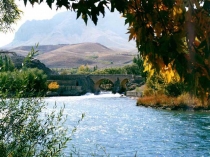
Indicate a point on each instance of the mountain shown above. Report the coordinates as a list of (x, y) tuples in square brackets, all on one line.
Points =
[(63, 28)]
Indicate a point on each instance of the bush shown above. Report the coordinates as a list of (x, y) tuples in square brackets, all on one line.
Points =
[(184, 102), (174, 89), (31, 81), (53, 86), (132, 69)]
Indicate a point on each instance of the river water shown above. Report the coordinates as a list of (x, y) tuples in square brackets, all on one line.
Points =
[(115, 126)]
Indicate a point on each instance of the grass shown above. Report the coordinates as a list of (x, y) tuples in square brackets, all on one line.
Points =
[(182, 102)]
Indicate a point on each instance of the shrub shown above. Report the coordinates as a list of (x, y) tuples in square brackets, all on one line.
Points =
[(132, 69), (174, 89), (184, 101), (31, 81), (53, 86)]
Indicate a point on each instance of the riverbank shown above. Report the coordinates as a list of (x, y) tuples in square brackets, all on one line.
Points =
[(183, 102)]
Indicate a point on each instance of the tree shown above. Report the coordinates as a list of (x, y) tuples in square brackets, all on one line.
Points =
[(170, 35), (83, 69), (6, 63), (140, 63), (9, 14), (173, 36)]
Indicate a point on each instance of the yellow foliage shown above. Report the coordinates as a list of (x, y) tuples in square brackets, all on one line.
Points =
[(169, 74), (166, 71), (53, 86), (148, 67), (176, 10)]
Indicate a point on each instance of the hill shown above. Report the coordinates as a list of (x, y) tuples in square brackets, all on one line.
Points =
[(72, 56)]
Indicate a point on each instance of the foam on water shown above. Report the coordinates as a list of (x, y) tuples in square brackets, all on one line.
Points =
[(102, 94)]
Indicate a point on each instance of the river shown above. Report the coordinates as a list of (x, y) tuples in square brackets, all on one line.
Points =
[(115, 126)]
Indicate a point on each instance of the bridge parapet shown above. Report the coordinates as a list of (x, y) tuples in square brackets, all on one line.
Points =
[(111, 77), (65, 77)]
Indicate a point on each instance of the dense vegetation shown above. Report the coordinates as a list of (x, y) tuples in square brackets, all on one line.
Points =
[(28, 81), (171, 95), (84, 69), (26, 128)]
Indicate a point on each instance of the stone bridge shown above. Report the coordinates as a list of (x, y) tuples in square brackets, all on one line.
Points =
[(81, 84), (119, 81)]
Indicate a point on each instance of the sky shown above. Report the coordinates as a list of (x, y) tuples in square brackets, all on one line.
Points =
[(37, 12)]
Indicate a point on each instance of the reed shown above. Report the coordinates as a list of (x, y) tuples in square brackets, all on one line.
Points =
[(184, 102)]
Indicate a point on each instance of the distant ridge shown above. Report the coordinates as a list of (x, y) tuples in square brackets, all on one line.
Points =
[(24, 50), (85, 47), (63, 28)]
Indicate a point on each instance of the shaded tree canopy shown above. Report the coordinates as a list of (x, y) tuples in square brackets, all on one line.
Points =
[(171, 35)]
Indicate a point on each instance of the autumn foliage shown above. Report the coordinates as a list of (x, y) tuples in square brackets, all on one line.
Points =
[(53, 86), (173, 37)]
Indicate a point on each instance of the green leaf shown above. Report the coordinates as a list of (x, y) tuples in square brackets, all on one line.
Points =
[(74, 6), (120, 5), (78, 13), (129, 18), (94, 14), (49, 3), (25, 2), (85, 18), (101, 7), (61, 3)]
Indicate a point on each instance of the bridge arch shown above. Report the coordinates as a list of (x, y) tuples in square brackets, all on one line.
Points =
[(119, 81), (98, 83)]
